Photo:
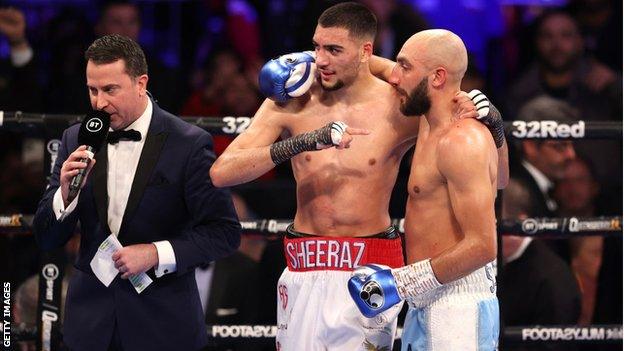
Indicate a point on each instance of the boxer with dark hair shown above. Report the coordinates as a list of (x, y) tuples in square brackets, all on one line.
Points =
[(343, 192)]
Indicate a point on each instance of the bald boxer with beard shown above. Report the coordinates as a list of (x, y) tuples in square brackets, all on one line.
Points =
[(450, 225), (343, 191)]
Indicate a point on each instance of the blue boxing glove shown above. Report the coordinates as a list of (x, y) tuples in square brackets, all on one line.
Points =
[(373, 289), (376, 288), (287, 76)]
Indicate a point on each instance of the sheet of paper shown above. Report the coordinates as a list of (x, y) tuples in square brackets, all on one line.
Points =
[(103, 265)]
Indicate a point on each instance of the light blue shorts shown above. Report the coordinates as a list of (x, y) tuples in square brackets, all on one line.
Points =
[(460, 315)]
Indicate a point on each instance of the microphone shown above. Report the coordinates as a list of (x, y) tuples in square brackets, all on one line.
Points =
[(93, 132)]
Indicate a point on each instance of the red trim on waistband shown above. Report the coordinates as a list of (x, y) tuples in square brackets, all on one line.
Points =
[(341, 254)]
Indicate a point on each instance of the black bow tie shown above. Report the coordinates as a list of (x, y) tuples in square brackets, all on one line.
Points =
[(116, 135)]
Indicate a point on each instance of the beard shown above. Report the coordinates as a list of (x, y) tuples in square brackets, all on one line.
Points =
[(564, 66), (417, 102)]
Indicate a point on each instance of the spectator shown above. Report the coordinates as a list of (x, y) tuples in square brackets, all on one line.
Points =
[(22, 179), (124, 17), (591, 260), (535, 285), (561, 71), (576, 193), (601, 23), (66, 37), (228, 24), (19, 88), (542, 162), (225, 91)]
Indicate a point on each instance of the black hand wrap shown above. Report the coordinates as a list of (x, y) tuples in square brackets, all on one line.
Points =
[(286, 149), (494, 122)]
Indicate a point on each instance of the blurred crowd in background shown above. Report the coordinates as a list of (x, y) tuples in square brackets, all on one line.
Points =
[(536, 60)]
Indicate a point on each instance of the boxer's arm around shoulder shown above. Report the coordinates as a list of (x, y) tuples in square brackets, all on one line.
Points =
[(465, 163), (381, 67), (502, 178), (248, 156)]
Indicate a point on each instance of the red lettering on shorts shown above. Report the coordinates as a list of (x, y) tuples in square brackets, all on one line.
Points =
[(282, 290), (303, 254)]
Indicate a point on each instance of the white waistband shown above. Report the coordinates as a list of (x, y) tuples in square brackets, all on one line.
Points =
[(478, 285)]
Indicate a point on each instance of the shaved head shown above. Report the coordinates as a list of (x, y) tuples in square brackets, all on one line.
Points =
[(438, 48), (429, 70)]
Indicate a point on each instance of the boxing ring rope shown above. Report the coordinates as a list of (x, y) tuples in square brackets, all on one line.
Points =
[(553, 227), (231, 125), (594, 334), (565, 227)]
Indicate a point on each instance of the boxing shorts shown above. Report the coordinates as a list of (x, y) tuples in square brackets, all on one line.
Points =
[(314, 308), (460, 315)]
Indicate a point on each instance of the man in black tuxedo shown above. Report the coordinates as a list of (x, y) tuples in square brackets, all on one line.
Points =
[(535, 285), (543, 162), (151, 189)]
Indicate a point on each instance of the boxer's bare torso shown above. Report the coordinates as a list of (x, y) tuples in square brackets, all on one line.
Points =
[(431, 226), (340, 192), (346, 192)]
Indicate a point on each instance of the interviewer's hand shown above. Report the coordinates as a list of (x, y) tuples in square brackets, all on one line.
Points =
[(135, 259), (70, 169)]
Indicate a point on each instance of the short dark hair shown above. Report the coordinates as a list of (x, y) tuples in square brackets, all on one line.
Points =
[(548, 14), (545, 107), (356, 18), (111, 48), (108, 4)]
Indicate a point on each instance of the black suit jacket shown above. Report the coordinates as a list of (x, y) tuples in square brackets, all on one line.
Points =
[(538, 288), (539, 208), (233, 291), (233, 299), (172, 198)]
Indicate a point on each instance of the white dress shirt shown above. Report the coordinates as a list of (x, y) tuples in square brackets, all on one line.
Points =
[(123, 158), (543, 183)]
